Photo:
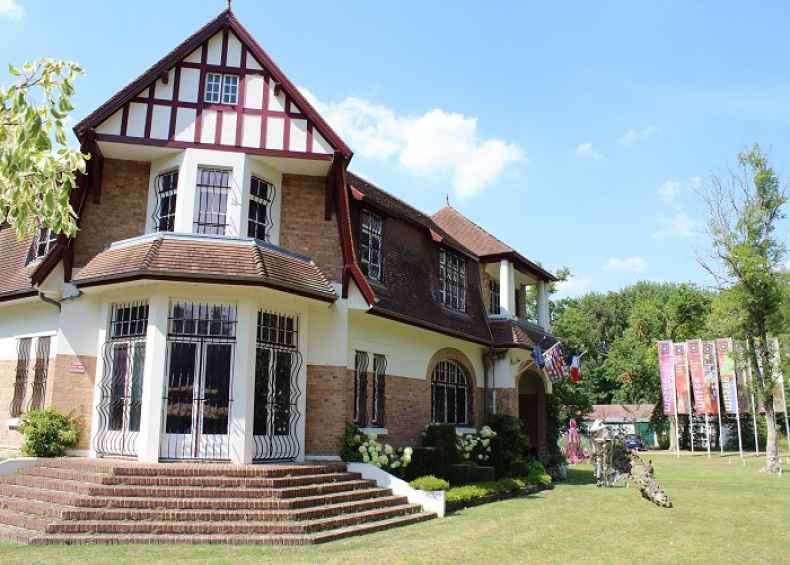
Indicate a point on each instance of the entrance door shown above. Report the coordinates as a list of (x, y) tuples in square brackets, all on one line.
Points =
[(122, 392), (197, 406)]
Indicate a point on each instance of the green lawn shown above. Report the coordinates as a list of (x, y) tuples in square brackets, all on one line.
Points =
[(724, 513)]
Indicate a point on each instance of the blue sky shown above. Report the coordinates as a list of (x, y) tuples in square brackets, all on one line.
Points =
[(575, 132)]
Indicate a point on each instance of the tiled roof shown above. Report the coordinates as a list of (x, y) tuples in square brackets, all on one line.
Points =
[(519, 333), (236, 262), (14, 273), (481, 242), (621, 412)]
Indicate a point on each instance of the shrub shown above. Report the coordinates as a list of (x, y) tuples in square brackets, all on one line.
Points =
[(424, 461), (510, 443), (520, 467), (358, 446), (444, 437), (474, 491), (465, 493), (465, 473), (429, 482), (352, 439), (48, 433), (476, 447)]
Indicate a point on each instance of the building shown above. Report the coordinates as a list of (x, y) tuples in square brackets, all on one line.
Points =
[(626, 419), (236, 293)]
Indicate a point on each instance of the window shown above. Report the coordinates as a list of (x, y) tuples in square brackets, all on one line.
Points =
[(451, 394), (360, 388), (20, 382), (224, 88), (44, 241), (452, 279), (230, 89), (379, 391), (212, 188), (259, 217), (213, 86), (370, 244), (24, 347), (493, 286), (165, 212), (40, 370)]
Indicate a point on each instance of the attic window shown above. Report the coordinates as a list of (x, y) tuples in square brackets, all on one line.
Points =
[(212, 187), (45, 240), (165, 212), (221, 88), (452, 279), (259, 220), (493, 286), (370, 244)]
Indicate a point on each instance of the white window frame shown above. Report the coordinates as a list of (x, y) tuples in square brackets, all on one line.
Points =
[(210, 94), (230, 89), (374, 229)]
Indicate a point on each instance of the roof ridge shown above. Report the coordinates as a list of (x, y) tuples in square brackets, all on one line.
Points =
[(151, 253), (260, 264)]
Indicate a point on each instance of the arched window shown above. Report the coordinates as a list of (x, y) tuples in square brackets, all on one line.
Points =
[(451, 394)]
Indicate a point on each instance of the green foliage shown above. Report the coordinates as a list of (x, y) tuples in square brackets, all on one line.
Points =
[(473, 491), (510, 443), (443, 437), (465, 473), (352, 439), (48, 433), (424, 461), (429, 482), (37, 168)]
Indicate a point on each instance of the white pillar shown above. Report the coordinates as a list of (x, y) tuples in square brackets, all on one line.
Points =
[(543, 307), (153, 379), (507, 288), (243, 406)]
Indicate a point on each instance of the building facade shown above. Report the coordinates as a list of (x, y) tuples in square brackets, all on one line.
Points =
[(236, 293)]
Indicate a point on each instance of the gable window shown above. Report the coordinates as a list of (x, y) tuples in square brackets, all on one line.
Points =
[(221, 88), (370, 244), (212, 188), (165, 212), (44, 241), (259, 217), (452, 279), (493, 286), (360, 388), (451, 394)]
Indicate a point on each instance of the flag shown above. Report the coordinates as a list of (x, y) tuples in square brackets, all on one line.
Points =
[(537, 356), (555, 362), (575, 369)]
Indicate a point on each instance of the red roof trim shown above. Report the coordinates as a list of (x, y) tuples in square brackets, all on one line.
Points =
[(435, 236), (356, 194)]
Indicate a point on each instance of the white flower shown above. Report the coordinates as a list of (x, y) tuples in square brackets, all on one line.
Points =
[(373, 437), (357, 438), (486, 442), (395, 464), (365, 459), (480, 456), (408, 451), (362, 449), (388, 449), (384, 460), (466, 456)]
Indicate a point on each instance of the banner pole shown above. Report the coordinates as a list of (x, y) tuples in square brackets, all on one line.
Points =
[(688, 391), (738, 416), (675, 396), (754, 420), (707, 432)]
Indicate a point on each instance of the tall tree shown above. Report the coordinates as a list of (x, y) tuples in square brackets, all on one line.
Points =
[(37, 168), (746, 260)]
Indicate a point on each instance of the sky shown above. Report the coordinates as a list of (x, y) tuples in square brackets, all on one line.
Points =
[(579, 133)]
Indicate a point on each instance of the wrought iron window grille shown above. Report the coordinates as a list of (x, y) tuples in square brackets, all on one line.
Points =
[(213, 187), (379, 390), (370, 238), (452, 279), (40, 372), (277, 391), (23, 346), (451, 394), (259, 217), (360, 388), (164, 216)]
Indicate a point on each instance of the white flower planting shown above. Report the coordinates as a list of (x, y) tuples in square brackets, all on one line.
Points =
[(476, 446), (381, 455)]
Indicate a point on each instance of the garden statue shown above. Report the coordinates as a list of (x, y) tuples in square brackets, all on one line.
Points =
[(573, 450), (612, 461)]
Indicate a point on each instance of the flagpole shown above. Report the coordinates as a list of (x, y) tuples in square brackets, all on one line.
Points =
[(718, 393)]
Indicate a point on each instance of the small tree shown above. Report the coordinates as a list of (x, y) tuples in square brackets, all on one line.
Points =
[(37, 168), (746, 261)]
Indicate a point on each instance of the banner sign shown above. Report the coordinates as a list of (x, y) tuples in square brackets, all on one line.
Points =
[(711, 378), (744, 372), (681, 378), (729, 384), (779, 381), (694, 355), (666, 370)]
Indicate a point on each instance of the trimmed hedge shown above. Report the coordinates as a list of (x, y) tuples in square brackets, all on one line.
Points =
[(424, 461), (429, 482), (465, 473), (490, 491), (443, 437), (511, 442)]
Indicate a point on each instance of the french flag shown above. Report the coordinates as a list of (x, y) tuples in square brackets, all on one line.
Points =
[(575, 369)]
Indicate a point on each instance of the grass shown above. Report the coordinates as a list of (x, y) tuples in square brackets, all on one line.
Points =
[(724, 512)]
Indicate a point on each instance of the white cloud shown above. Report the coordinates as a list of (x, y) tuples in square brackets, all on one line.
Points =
[(635, 265), (680, 226), (574, 286), (633, 135), (586, 151), (669, 192), (436, 143), (10, 9)]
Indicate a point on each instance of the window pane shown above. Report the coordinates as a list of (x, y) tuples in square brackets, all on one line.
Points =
[(180, 384), (213, 82), (230, 89), (260, 410), (136, 402), (282, 394), (216, 394), (212, 188), (370, 244), (120, 368)]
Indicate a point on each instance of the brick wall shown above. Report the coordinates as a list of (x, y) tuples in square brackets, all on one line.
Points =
[(303, 228), (72, 393), (507, 401), (8, 438), (121, 213), (330, 398)]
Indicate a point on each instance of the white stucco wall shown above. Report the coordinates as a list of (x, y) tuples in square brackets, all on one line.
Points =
[(28, 319)]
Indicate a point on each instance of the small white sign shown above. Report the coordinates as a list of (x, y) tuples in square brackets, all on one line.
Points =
[(77, 367)]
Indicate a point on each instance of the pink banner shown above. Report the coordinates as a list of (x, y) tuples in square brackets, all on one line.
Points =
[(681, 378), (711, 377), (725, 356), (694, 356), (666, 370)]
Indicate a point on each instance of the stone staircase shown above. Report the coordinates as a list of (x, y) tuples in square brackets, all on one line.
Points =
[(76, 501)]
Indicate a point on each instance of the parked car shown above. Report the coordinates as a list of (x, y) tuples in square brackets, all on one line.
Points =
[(634, 441)]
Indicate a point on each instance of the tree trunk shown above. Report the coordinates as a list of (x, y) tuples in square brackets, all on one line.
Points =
[(772, 462)]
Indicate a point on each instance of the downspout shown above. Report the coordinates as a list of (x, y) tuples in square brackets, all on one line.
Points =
[(49, 300)]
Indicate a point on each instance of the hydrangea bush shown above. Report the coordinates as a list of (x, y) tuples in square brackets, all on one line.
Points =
[(365, 448), (477, 446)]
